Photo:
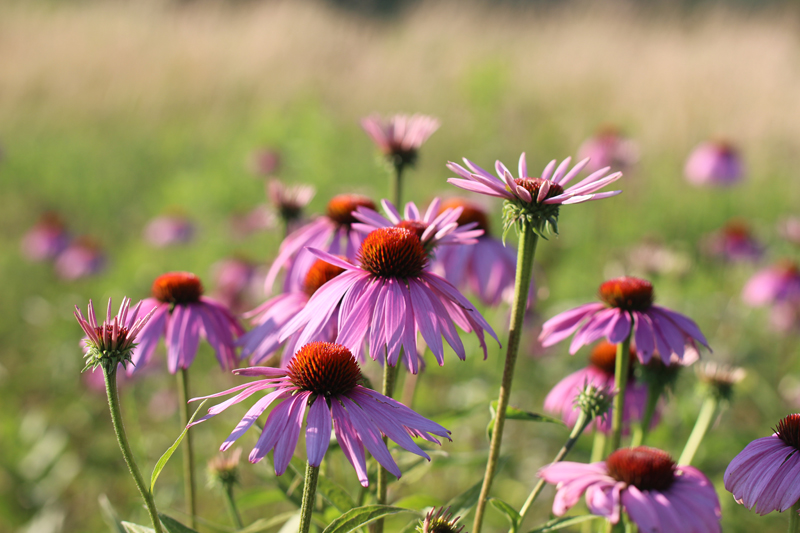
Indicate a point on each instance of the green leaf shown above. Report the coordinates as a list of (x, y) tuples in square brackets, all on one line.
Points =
[(514, 413), (136, 528), (510, 512), (110, 515), (173, 526), (561, 523), (334, 493), (167, 454), (263, 524), (361, 516)]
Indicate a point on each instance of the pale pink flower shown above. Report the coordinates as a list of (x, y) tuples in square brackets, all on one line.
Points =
[(169, 230), (714, 163), (265, 161), (608, 148), (47, 239), (776, 284), (400, 136), (83, 257), (733, 242)]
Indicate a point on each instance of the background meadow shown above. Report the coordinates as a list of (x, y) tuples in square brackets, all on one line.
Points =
[(112, 113)]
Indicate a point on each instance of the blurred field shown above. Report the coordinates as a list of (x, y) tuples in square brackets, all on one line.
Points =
[(112, 113)]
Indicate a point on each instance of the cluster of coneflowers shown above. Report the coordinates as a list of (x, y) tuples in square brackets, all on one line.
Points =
[(358, 286)]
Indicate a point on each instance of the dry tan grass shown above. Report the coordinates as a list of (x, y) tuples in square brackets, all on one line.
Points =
[(716, 73)]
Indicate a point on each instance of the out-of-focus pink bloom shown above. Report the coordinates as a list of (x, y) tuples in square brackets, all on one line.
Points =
[(289, 200), (386, 299), (785, 316), (658, 495), (714, 163), (169, 230), (778, 283), (436, 227), (486, 268), (547, 189), (766, 474), (261, 218), (399, 137), (608, 148), (789, 229), (332, 233), (733, 242), (627, 303), (46, 239), (262, 342), (82, 258), (600, 373), (183, 315), (326, 377), (651, 257), (235, 280), (265, 161)]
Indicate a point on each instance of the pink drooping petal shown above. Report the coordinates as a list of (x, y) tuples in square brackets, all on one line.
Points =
[(318, 431), (287, 442), (351, 444)]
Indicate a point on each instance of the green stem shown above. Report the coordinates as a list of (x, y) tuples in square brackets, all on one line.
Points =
[(653, 394), (309, 493), (127, 454), (621, 371), (526, 251), (580, 425), (699, 431), (598, 447), (230, 503), (794, 518), (389, 375), (397, 186), (188, 452)]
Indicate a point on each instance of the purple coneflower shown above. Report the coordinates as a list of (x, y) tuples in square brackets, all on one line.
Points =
[(627, 303), (386, 299), (399, 137), (714, 163), (486, 268), (440, 521), (235, 281), (332, 233), (260, 218), (83, 257), (658, 495), (531, 199), (608, 148), (326, 377), (436, 227), (733, 242), (47, 239), (776, 284), (265, 161), (652, 257), (169, 230), (789, 229), (766, 474), (262, 341), (600, 374), (289, 201), (183, 315)]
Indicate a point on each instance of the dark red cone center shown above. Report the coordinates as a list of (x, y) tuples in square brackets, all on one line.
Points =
[(604, 357), (788, 430), (413, 225), (341, 207), (177, 288), (324, 368), (393, 253), (643, 467), (532, 185), (318, 275), (630, 294)]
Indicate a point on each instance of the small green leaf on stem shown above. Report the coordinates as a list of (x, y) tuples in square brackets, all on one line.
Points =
[(167, 454), (514, 413), (510, 512), (361, 516), (173, 526)]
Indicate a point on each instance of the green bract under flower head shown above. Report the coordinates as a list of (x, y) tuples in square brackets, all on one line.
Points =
[(594, 401), (111, 342), (439, 521)]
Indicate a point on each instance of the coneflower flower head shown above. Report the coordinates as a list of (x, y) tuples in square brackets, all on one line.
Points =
[(715, 163), (439, 521), (110, 343), (594, 401), (399, 137), (720, 378), (766, 474), (289, 200), (534, 201), (223, 470), (627, 308), (325, 378)]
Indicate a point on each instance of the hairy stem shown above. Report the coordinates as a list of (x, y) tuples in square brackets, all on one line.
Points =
[(309, 493), (621, 371), (704, 419), (580, 425), (526, 251), (127, 454), (188, 452)]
